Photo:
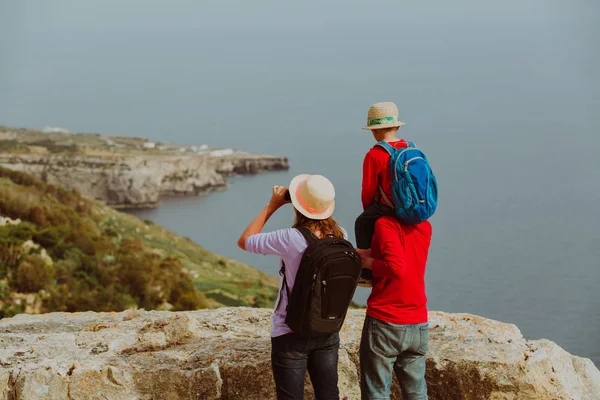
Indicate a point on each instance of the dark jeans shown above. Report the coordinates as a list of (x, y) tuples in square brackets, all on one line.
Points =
[(385, 346), (365, 223), (292, 355)]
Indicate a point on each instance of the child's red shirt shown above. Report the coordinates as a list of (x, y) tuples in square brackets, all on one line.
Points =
[(376, 172)]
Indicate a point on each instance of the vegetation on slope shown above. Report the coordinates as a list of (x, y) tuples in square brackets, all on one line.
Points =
[(68, 253), (31, 141)]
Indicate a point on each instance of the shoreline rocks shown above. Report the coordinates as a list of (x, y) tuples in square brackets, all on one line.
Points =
[(139, 181), (225, 354)]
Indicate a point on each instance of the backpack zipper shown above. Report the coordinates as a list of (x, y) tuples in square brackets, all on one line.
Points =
[(398, 159), (406, 149), (406, 169), (412, 159), (324, 283), (314, 278)]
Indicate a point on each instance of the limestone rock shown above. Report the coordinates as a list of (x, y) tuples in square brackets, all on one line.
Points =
[(225, 354), (8, 221)]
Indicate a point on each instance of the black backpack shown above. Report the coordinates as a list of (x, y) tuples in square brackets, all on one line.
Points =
[(324, 286)]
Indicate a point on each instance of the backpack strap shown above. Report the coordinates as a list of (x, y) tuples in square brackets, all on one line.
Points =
[(390, 149), (308, 235), (283, 286), (385, 198), (386, 146), (310, 238)]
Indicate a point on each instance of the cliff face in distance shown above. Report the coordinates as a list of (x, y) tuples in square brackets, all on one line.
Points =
[(139, 181), (125, 171), (225, 354)]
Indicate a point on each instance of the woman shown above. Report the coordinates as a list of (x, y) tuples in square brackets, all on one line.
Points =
[(291, 355)]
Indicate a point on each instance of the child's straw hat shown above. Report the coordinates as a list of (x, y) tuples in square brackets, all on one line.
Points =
[(383, 115)]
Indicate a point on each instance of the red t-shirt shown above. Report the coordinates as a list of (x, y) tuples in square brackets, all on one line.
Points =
[(376, 172), (400, 255)]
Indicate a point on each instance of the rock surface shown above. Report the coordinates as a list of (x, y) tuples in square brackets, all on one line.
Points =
[(224, 354), (139, 181)]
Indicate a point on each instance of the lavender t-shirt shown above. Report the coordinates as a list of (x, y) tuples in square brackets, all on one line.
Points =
[(289, 244)]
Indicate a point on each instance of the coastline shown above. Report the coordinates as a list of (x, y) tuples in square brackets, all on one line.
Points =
[(127, 172)]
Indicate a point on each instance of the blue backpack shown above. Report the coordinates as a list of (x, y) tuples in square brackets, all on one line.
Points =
[(414, 186)]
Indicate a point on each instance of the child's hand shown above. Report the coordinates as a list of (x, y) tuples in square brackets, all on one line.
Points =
[(278, 196)]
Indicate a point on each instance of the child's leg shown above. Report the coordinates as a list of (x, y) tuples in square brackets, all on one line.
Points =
[(365, 224)]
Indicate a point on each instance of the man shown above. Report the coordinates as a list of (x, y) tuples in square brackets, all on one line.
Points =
[(395, 332)]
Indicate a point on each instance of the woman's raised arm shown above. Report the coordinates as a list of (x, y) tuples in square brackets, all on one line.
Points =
[(277, 200)]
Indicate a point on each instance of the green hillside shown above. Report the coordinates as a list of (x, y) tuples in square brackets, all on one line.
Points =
[(68, 253)]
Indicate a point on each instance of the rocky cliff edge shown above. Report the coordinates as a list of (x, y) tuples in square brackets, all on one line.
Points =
[(225, 354)]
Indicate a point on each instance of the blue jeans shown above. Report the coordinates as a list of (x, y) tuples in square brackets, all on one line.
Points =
[(384, 346), (292, 355)]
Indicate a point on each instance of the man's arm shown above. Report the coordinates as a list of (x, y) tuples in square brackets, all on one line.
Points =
[(370, 181), (391, 263)]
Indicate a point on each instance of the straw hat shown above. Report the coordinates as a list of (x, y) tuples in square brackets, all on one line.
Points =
[(313, 196), (383, 115)]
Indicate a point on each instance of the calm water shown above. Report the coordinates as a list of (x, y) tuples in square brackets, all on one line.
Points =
[(504, 98)]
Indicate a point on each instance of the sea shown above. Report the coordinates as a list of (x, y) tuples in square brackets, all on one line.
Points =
[(504, 97)]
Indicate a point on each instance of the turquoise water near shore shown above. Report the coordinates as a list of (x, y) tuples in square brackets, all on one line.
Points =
[(503, 97)]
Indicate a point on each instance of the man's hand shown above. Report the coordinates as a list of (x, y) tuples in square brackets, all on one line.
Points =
[(278, 196), (365, 256), (365, 252)]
